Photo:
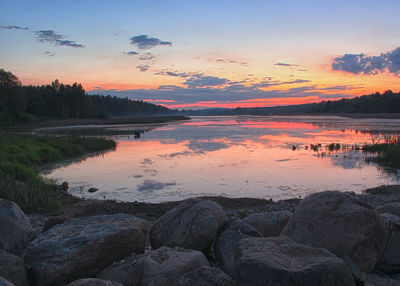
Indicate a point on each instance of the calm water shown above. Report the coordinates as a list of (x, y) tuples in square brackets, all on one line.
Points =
[(235, 156)]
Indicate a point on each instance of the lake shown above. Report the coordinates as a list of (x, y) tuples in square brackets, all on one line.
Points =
[(270, 157)]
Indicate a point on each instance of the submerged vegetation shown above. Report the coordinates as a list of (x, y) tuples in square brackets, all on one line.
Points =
[(388, 153), (21, 156)]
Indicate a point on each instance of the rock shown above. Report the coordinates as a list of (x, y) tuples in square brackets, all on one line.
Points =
[(389, 262), (341, 224), (52, 221), (268, 223), (229, 237), (375, 280), (393, 208), (94, 282), (4, 282), (92, 190), (19, 231), (284, 262), (13, 269), (81, 247), (206, 276), (162, 266), (193, 224)]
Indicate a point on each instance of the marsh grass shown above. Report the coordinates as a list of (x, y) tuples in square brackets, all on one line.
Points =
[(22, 155), (387, 153)]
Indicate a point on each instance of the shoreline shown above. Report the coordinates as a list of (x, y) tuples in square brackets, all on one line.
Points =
[(53, 123), (234, 207)]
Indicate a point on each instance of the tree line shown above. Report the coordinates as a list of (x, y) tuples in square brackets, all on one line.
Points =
[(20, 104), (388, 102)]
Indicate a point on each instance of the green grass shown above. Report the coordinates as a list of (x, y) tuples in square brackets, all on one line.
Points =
[(22, 155), (387, 153)]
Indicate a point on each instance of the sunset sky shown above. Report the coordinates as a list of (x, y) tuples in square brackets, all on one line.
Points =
[(197, 54)]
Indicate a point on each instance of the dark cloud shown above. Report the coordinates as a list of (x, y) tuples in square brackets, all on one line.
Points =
[(275, 82), (200, 80), (286, 65), (144, 42), (225, 61), (369, 65), (52, 37), (48, 53), (132, 53), (143, 68), (13, 27), (172, 73), (146, 57)]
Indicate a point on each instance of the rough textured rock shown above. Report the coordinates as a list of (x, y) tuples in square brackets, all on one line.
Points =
[(94, 282), (268, 223), (228, 238), (81, 247), (52, 221), (162, 266), (193, 224), (4, 282), (206, 276), (13, 269), (389, 262), (341, 224), (374, 280), (393, 208), (19, 231), (284, 262)]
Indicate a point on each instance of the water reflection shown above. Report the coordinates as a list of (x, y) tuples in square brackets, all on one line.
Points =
[(242, 156)]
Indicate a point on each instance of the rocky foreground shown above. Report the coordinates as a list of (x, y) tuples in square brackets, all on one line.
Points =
[(328, 238)]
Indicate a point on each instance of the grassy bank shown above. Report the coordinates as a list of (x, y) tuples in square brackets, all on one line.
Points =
[(387, 153), (22, 155)]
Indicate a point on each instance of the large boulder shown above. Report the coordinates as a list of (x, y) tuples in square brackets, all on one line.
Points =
[(94, 282), (18, 232), (162, 266), (375, 280), (193, 224), (393, 208), (206, 276), (284, 262), (81, 247), (227, 240), (340, 223), (268, 223), (389, 262), (4, 282), (13, 269)]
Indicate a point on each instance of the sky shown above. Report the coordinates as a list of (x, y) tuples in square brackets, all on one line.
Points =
[(206, 54)]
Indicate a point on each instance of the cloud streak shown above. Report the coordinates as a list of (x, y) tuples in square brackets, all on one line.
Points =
[(52, 37), (13, 27), (369, 65), (144, 42)]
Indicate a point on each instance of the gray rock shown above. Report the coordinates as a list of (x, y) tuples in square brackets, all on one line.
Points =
[(81, 247), (4, 282), (341, 224), (393, 208), (228, 238), (13, 269), (94, 282), (162, 266), (284, 262), (268, 223), (389, 262), (193, 224), (16, 231), (375, 280), (206, 276)]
